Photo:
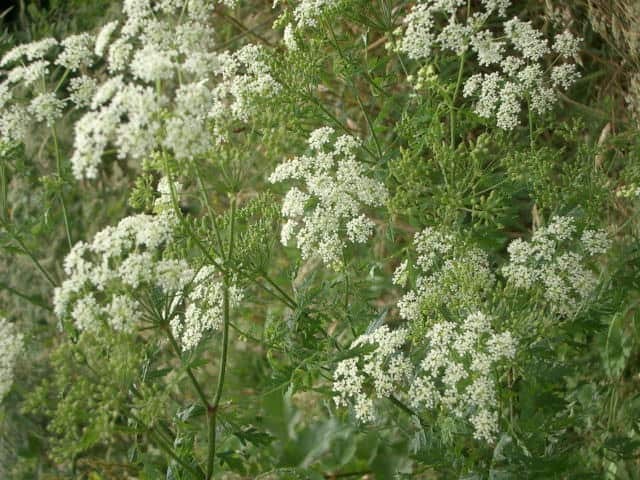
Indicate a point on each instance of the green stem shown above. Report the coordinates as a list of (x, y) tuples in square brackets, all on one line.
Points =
[(364, 74), (452, 111), (531, 142), (347, 474), (402, 406), (250, 31), (232, 226), (164, 445), (350, 82), (244, 29), (289, 300), (62, 79), (4, 193), (185, 225), (27, 252), (192, 377), (61, 192), (212, 217), (251, 278), (346, 296), (370, 125), (338, 123), (213, 410), (253, 338), (38, 302)]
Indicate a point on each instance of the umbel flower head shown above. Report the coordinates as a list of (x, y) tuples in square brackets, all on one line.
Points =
[(168, 87), (446, 366), (113, 280), (555, 261), (380, 373), (187, 118), (327, 212), (457, 374), (514, 56)]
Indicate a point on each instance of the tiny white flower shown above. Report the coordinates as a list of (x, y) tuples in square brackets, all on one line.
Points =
[(104, 36), (77, 51)]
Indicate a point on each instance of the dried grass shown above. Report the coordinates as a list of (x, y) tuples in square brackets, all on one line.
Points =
[(618, 22)]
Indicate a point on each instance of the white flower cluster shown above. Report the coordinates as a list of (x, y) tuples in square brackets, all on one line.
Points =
[(130, 122), (215, 89), (554, 260), (168, 86), (517, 53), (456, 376), (374, 375), (112, 280), (205, 303), (27, 71), (11, 346), (307, 12), (28, 52), (329, 207), (457, 373), (77, 51), (121, 258), (450, 275)]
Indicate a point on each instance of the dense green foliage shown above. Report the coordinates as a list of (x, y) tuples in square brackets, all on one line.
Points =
[(454, 195)]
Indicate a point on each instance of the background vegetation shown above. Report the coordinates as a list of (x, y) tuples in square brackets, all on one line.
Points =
[(113, 405)]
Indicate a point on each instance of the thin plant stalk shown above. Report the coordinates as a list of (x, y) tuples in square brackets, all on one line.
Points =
[(65, 216), (213, 410)]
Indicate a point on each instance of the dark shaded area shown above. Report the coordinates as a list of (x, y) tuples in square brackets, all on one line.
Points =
[(28, 20), (14, 12)]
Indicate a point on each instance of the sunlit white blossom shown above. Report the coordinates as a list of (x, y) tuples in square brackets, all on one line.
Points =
[(31, 51), (82, 90), (77, 51), (457, 372), (205, 307), (104, 36), (358, 382), (338, 186), (46, 108)]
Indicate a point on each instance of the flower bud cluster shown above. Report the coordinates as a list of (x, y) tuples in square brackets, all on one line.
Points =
[(449, 274)]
